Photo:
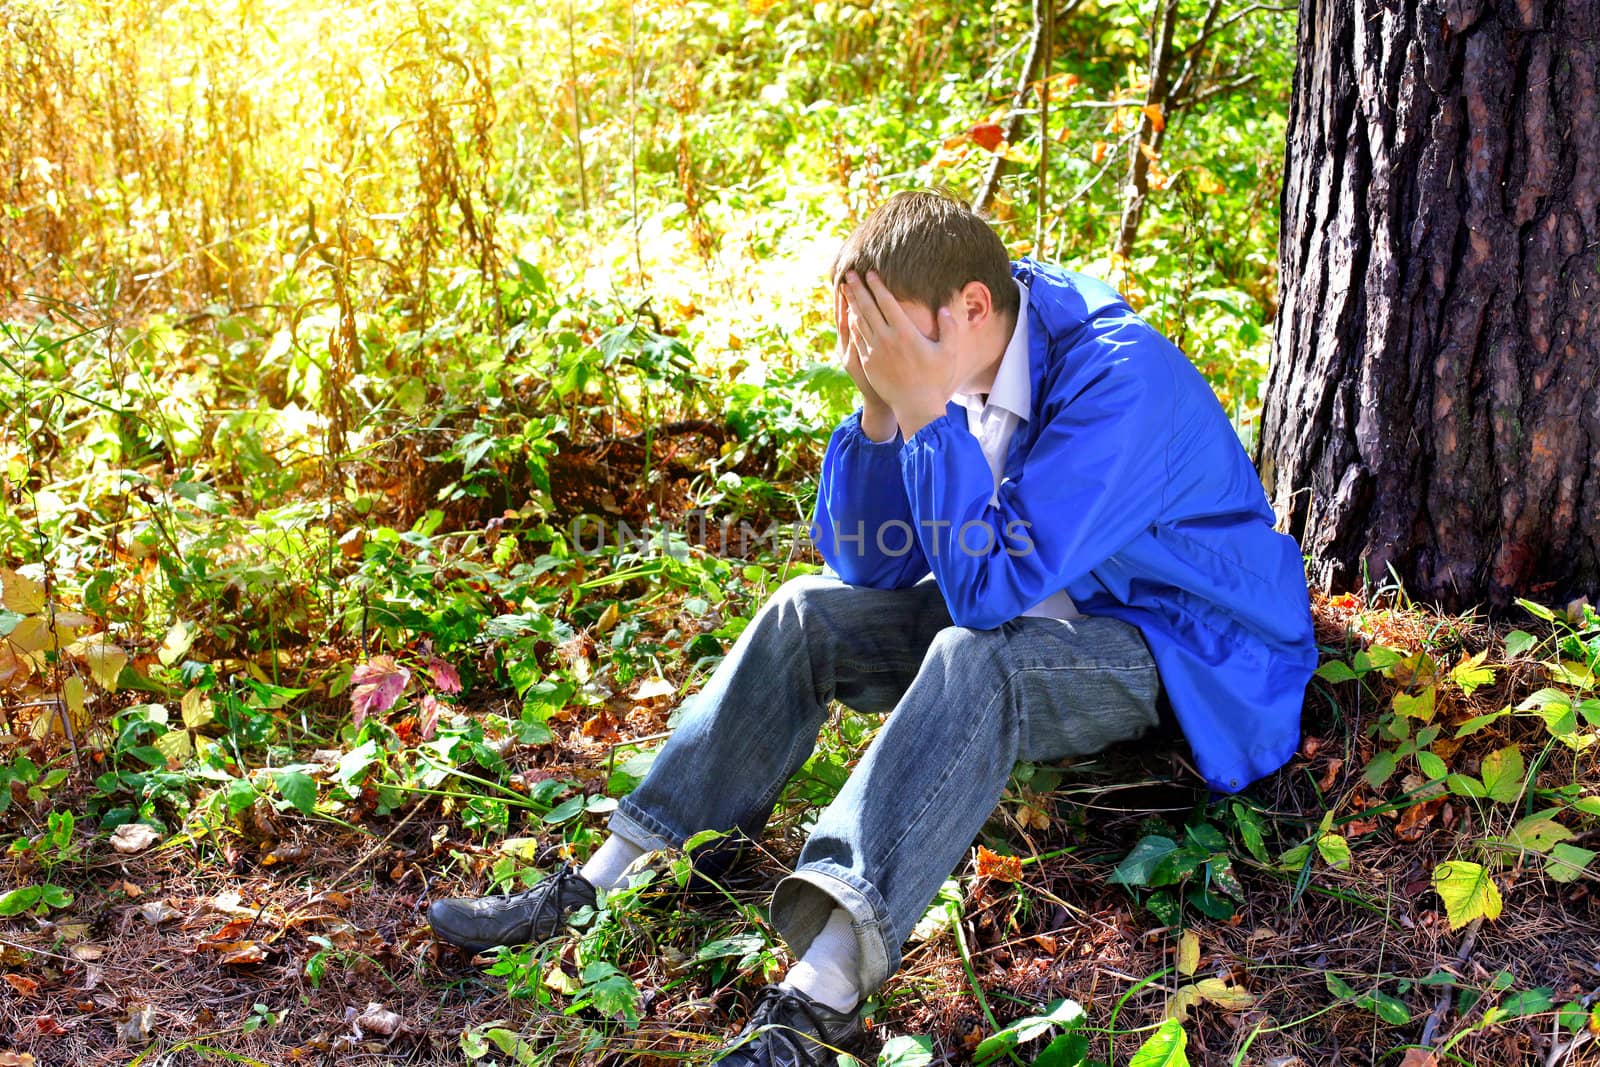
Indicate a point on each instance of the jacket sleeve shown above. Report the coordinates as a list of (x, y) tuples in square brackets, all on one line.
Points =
[(863, 525), (1094, 478)]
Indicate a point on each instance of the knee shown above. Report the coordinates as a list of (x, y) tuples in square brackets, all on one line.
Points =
[(800, 602), (961, 648)]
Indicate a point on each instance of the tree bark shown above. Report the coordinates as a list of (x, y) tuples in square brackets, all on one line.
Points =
[(1432, 406)]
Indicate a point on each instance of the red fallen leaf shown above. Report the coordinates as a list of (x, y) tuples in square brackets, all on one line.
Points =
[(237, 953), (1414, 821), (48, 1025), (25, 987), (1345, 602), (1001, 868), (377, 683)]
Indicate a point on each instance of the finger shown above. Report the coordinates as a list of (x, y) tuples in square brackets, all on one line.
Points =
[(895, 317), (864, 304)]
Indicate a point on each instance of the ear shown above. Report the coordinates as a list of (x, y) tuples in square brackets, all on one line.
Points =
[(973, 305)]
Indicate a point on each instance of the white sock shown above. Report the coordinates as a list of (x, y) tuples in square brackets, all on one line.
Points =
[(827, 972), (605, 867)]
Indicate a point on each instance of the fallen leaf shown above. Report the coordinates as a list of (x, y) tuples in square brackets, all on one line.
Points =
[(132, 838), (1414, 821), (651, 688), (240, 953), (156, 912), (17, 1059), (88, 953), (1419, 1057), (1188, 953), (1335, 765), (1001, 868), (378, 1020), (139, 1025), (25, 987)]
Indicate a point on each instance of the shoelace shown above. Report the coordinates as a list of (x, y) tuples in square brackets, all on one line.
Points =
[(768, 1003)]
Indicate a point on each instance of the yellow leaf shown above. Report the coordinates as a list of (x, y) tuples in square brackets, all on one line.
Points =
[(1415, 707), (608, 618), (1188, 952), (197, 709), (1208, 184), (32, 635), (75, 693), (20, 594), (174, 744), (176, 646), (1468, 892), (104, 660), (1215, 990)]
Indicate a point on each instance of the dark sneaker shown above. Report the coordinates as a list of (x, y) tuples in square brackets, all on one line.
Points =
[(789, 1029), (518, 919)]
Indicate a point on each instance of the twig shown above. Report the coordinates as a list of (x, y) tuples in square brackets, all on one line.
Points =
[(374, 849), (1441, 1005)]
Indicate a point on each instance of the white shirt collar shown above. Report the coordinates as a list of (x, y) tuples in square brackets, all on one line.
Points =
[(1012, 389)]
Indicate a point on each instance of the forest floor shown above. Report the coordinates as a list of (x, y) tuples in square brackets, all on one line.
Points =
[(279, 938)]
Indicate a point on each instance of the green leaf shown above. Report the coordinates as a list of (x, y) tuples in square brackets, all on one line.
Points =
[(1338, 986), (1567, 863), (906, 1051), (298, 789), (1136, 869), (1336, 671), (1538, 832), (1164, 1047), (19, 900), (1067, 1050), (1528, 1002), (1465, 785), (1430, 765), (1589, 805), (54, 896), (1478, 722), (1252, 830), (567, 809), (1381, 769), (1502, 774), (1538, 611), (1518, 642), (1390, 1010), (1468, 892), (1335, 850)]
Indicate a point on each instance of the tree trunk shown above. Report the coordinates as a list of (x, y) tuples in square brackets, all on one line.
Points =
[(1433, 405)]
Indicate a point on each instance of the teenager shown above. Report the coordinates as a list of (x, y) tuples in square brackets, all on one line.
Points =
[(1042, 534)]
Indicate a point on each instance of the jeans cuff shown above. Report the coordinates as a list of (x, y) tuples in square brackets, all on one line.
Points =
[(801, 904), (635, 824)]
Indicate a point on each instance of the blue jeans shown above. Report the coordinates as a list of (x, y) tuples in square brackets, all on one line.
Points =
[(966, 706)]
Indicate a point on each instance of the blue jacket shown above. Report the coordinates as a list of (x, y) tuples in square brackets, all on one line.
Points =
[(1139, 501)]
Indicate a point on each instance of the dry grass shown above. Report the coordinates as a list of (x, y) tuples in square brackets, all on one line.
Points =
[(75, 981)]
